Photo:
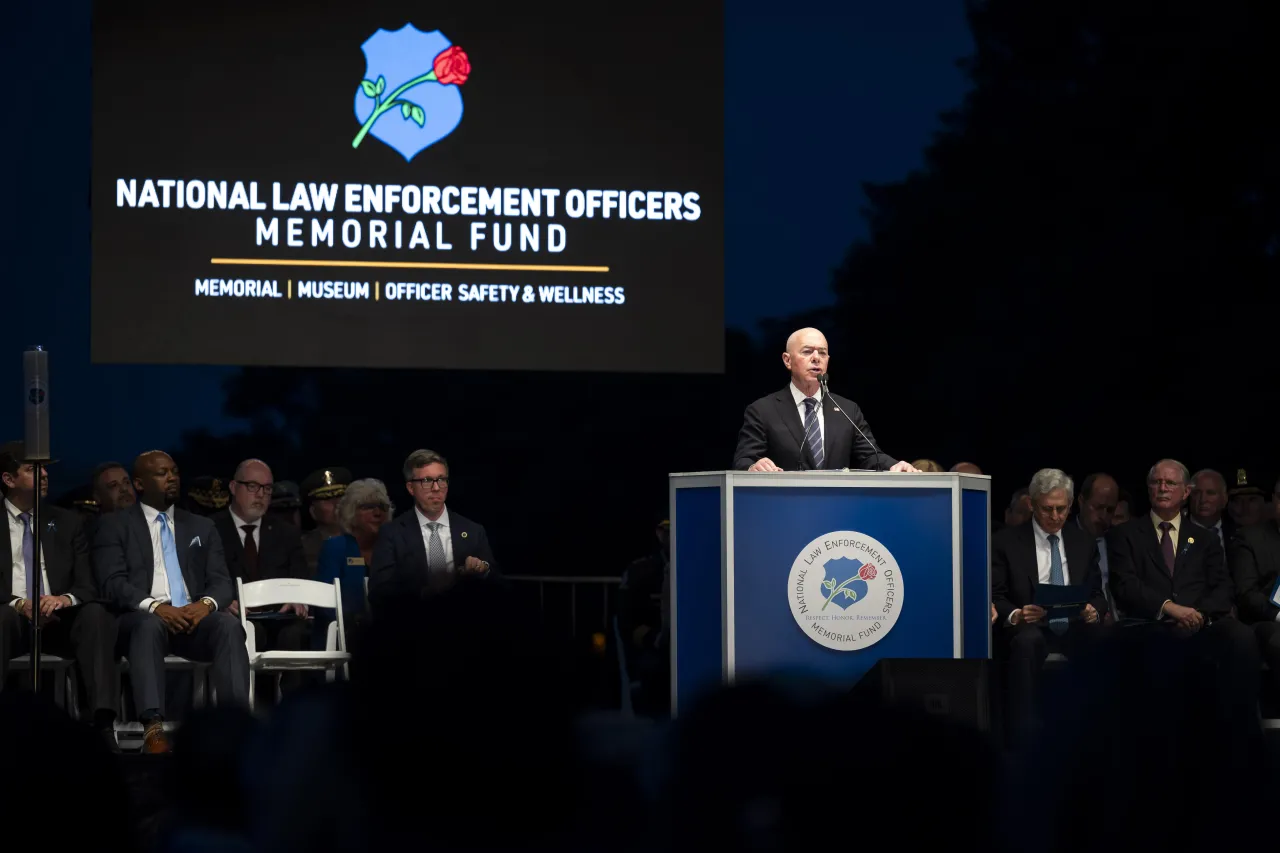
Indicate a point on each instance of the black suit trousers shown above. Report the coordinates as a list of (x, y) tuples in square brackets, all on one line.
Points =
[(1026, 647), (86, 633), (1268, 634), (218, 640)]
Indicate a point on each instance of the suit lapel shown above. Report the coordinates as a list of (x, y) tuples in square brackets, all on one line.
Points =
[(791, 417), (182, 543), (1027, 555), (6, 583), (1079, 556), (138, 521), (1187, 532), (413, 529)]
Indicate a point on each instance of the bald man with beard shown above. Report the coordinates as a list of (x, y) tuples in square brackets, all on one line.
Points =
[(800, 428)]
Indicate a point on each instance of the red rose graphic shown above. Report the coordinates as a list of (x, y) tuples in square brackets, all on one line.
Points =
[(452, 66), (867, 573)]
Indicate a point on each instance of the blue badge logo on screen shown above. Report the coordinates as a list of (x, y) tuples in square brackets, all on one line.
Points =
[(845, 590), (409, 98)]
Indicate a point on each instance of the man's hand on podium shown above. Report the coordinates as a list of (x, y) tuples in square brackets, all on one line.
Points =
[(764, 464), (904, 465)]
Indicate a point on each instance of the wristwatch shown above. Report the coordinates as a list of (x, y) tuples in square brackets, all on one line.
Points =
[(212, 605)]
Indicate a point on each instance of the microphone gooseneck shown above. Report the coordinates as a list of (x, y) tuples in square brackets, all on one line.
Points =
[(822, 380)]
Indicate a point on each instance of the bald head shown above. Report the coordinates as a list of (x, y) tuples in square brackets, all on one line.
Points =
[(965, 468), (806, 358), (155, 476), (251, 489)]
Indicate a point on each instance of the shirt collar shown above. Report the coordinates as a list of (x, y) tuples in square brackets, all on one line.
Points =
[(14, 512), (443, 520), (798, 395), (150, 513), (1176, 521), (1040, 535), (240, 522)]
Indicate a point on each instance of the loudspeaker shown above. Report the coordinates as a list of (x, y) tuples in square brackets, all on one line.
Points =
[(958, 691)]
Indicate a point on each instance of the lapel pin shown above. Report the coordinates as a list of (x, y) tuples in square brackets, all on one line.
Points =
[(464, 534), (52, 528), (1191, 540)]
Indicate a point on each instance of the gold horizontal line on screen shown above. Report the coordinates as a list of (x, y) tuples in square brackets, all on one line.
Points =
[(407, 265)]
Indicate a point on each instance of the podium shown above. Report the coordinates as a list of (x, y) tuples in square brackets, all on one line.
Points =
[(824, 573)]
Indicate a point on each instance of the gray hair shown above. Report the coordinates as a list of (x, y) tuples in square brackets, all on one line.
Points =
[(1186, 474), (368, 491), (1206, 472), (421, 459), (1047, 480)]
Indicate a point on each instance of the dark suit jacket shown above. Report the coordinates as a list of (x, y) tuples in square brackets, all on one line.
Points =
[(772, 427), (1254, 557), (1015, 575), (399, 570), (1140, 583), (66, 557), (279, 548), (123, 562)]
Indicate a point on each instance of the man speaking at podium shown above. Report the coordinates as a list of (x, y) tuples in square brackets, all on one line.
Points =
[(802, 427)]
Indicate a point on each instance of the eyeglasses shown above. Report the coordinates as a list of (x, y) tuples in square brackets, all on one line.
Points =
[(427, 482), (374, 506), (254, 488)]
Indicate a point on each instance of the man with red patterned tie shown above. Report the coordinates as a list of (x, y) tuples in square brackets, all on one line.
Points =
[(1171, 571)]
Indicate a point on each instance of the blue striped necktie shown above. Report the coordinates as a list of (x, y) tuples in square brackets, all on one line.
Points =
[(1058, 626), (813, 432)]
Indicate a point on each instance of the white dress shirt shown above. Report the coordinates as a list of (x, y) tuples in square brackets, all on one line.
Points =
[(445, 537), (1044, 558), (240, 522), (159, 577), (18, 560), (798, 396)]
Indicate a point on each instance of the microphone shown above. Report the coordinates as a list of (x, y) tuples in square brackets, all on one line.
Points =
[(822, 380)]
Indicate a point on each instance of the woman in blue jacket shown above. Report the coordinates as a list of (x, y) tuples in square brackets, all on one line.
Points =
[(363, 510)]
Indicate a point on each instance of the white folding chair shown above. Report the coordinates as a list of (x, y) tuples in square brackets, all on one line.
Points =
[(277, 591)]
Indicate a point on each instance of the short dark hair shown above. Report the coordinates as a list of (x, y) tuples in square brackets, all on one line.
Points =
[(421, 459), (102, 468), (1018, 494), (1086, 488)]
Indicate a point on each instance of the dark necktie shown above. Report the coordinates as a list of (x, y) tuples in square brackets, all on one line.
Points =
[(29, 557), (1166, 545), (250, 551), (813, 431)]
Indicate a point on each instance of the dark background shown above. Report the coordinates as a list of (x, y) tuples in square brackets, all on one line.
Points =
[(559, 96), (1073, 266)]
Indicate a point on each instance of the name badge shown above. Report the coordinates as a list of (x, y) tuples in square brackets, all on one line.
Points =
[(355, 561)]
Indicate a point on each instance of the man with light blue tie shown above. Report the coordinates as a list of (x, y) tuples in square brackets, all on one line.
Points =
[(163, 570), (1043, 551)]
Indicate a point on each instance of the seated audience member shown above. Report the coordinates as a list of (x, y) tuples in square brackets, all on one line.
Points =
[(927, 466), (1246, 502), (1124, 509), (1019, 511), (206, 495), (258, 547), (1167, 569), (1255, 567), (425, 551), (76, 625), (1209, 505), (112, 487), (1044, 551), (965, 468), (1096, 508), (364, 508), (286, 504), (322, 489), (163, 568)]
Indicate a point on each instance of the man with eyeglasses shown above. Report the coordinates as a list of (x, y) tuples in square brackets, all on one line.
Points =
[(1044, 551), (259, 547), (428, 550), (1171, 571)]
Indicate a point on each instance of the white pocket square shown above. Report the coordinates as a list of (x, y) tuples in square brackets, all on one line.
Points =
[(195, 541)]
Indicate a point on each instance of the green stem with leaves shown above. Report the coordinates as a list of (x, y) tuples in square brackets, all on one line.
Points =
[(380, 108), (837, 589)]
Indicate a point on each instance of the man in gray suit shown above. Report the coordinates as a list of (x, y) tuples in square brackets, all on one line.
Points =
[(163, 569)]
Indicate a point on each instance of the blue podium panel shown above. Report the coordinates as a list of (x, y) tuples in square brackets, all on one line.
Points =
[(824, 572)]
